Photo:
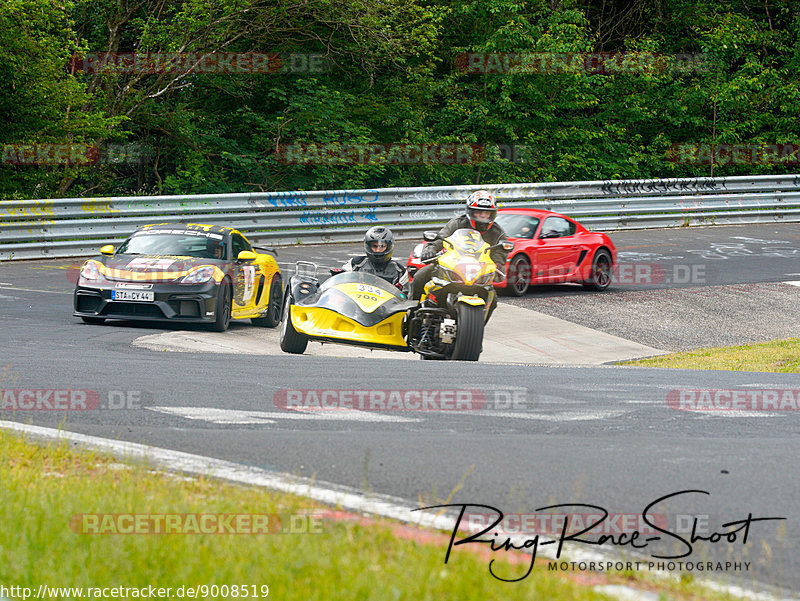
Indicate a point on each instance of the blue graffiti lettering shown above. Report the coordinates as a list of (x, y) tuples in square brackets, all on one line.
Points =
[(350, 197)]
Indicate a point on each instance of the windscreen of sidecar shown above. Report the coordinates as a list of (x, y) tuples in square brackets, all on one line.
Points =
[(467, 242), (360, 277)]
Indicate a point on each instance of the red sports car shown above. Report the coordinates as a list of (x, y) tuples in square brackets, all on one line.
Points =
[(549, 248)]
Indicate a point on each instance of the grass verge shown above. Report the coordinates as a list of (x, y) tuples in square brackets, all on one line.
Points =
[(779, 356), (49, 489)]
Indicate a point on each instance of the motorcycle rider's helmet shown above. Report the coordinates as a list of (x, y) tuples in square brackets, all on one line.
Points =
[(481, 210), (379, 244)]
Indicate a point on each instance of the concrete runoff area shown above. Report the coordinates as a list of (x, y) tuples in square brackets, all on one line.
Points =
[(513, 335)]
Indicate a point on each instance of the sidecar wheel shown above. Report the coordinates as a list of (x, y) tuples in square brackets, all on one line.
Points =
[(292, 341), (469, 335)]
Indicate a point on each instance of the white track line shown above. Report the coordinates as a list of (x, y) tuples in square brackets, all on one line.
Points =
[(32, 290), (239, 416), (566, 416)]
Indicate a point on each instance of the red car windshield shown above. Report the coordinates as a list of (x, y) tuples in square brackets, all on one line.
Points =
[(518, 226)]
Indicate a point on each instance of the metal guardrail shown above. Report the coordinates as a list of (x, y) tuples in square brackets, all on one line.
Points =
[(69, 227)]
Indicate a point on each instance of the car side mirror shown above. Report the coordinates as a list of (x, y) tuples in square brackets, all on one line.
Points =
[(246, 255), (108, 249), (429, 236)]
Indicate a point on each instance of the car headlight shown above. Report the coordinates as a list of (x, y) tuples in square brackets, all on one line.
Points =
[(90, 272), (198, 276)]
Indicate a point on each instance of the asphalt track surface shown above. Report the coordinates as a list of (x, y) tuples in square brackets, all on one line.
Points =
[(605, 436)]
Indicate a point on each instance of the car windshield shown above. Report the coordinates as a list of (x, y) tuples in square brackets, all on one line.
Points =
[(518, 226), (188, 244)]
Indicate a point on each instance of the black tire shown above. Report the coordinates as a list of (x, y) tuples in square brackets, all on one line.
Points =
[(519, 276), (274, 307), (95, 321), (469, 335), (600, 278), (292, 341), (223, 308)]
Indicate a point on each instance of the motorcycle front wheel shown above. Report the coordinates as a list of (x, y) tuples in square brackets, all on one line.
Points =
[(469, 333)]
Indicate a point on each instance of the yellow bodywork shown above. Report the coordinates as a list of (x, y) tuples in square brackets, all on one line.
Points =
[(318, 322)]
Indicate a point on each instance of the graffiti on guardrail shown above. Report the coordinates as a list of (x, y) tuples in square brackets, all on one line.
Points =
[(327, 218), (331, 217), (40, 208), (96, 208), (696, 184), (286, 200), (345, 197)]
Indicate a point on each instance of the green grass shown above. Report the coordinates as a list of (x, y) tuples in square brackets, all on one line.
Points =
[(779, 356), (45, 485)]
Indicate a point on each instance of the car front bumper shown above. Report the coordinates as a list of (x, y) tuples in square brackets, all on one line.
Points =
[(172, 302)]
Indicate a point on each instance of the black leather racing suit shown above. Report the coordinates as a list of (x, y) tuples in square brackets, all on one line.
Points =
[(391, 271)]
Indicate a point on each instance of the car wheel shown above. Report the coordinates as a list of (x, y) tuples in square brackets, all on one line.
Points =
[(275, 306), (600, 277), (292, 341), (95, 321), (223, 308), (519, 276)]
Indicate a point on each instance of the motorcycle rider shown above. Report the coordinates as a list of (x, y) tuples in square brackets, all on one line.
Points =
[(480, 214), (379, 244)]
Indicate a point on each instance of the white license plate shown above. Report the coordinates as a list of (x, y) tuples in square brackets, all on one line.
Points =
[(133, 295)]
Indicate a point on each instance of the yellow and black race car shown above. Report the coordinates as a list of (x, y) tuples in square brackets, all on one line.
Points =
[(183, 272)]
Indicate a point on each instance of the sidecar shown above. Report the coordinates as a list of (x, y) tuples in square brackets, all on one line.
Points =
[(353, 308)]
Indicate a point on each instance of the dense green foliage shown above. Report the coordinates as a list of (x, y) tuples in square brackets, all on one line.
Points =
[(394, 73)]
